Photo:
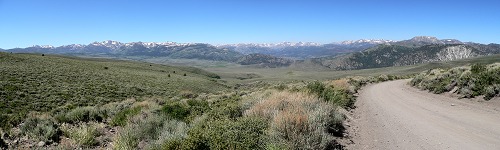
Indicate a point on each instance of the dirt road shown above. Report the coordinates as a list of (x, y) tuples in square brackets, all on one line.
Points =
[(393, 115)]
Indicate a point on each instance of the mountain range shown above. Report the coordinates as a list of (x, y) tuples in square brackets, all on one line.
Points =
[(304, 50), (418, 50), (346, 55)]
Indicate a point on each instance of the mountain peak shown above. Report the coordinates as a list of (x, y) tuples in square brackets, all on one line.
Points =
[(43, 46), (429, 39), (365, 41)]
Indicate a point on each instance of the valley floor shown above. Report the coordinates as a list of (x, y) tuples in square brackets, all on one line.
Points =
[(393, 115)]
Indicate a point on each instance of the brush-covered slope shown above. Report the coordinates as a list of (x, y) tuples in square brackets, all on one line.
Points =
[(264, 60), (32, 82)]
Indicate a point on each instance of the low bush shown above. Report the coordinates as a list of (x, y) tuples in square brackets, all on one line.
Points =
[(116, 107), (171, 136), (84, 135), (41, 129), (176, 110), (144, 128), (198, 107), (242, 133), (188, 94), (226, 108), (298, 120), (337, 96), (120, 119), (82, 114)]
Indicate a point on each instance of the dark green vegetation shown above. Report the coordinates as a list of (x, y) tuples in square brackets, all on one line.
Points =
[(334, 95), (476, 80), (264, 61), (30, 82)]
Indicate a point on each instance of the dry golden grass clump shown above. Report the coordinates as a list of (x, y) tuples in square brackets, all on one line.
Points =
[(340, 83), (297, 120)]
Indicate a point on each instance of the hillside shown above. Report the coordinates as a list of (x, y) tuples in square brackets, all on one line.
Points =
[(32, 82), (264, 61), (61, 102), (396, 55)]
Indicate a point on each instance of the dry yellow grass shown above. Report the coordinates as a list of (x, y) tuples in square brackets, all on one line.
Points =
[(297, 120), (278, 102), (340, 83)]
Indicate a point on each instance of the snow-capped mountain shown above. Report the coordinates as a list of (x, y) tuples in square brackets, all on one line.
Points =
[(271, 45), (365, 41), (279, 54), (426, 40), (146, 49), (303, 50)]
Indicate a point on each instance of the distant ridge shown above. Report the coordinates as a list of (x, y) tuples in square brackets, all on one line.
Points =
[(345, 55)]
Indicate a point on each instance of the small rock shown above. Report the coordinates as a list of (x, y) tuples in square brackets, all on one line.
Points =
[(40, 144), (452, 104)]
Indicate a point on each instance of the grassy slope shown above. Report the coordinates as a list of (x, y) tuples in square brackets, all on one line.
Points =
[(231, 73), (31, 82)]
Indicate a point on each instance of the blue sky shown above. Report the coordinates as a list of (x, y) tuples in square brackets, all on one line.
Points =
[(59, 22)]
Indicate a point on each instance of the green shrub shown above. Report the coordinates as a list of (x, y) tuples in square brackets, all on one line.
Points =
[(243, 133), (188, 94), (198, 107), (120, 119), (281, 87), (7, 121), (83, 114), (477, 68), (147, 129), (172, 135), (316, 87), (116, 107), (337, 96), (4, 122), (226, 108), (84, 135), (298, 121), (176, 110), (490, 92), (41, 129), (174, 143)]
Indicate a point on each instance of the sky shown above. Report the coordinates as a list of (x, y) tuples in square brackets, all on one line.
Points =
[(24, 23)]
